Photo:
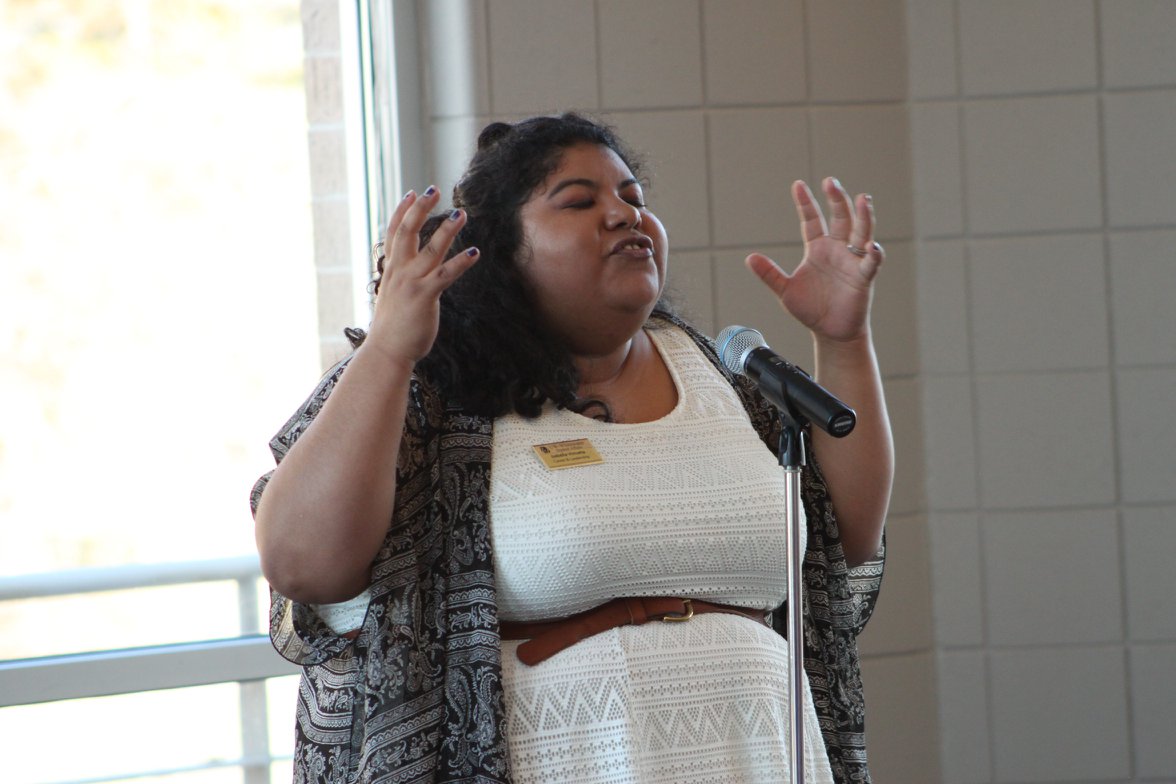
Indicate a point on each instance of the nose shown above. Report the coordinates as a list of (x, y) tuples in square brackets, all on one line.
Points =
[(622, 215)]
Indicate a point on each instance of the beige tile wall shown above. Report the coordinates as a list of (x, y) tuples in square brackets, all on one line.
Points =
[(1041, 145), (1019, 154)]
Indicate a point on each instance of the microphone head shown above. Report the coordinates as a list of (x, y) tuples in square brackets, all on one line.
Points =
[(735, 343)]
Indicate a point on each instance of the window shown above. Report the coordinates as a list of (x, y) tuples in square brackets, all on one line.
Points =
[(159, 318), (157, 239)]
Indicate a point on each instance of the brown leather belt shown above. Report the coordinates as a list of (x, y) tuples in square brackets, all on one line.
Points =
[(544, 639)]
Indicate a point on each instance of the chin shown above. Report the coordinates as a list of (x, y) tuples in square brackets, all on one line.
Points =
[(637, 308), (639, 295)]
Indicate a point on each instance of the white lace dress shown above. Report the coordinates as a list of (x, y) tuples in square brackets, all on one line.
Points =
[(689, 505)]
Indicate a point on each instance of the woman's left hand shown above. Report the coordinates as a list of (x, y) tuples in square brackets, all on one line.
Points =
[(829, 291)]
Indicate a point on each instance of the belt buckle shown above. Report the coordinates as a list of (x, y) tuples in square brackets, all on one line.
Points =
[(687, 614)]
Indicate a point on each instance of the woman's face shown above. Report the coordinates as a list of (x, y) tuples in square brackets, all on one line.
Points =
[(594, 254)]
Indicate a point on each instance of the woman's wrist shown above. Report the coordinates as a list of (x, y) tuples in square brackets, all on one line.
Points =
[(845, 351), (391, 360)]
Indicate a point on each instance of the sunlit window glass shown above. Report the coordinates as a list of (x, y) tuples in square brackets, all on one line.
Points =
[(176, 736), (157, 301)]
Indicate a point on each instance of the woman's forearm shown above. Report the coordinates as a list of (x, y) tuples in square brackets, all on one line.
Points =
[(327, 507), (859, 468)]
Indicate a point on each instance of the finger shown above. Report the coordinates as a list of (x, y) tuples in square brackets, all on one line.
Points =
[(812, 222), (769, 272), (402, 206), (875, 255), (434, 252), (447, 273), (453, 268), (380, 251), (863, 228), (841, 213), (404, 243)]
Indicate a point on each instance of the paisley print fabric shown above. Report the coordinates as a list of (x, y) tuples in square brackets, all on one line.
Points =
[(418, 697)]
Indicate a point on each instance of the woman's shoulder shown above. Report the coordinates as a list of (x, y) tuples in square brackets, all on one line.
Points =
[(427, 407), (668, 320), (300, 420)]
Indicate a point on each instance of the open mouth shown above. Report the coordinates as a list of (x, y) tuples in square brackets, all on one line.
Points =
[(640, 245)]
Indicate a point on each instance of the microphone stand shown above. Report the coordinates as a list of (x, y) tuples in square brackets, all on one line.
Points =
[(800, 400), (791, 453)]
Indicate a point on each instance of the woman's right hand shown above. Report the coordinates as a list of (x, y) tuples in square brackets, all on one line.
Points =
[(330, 501), (407, 310)]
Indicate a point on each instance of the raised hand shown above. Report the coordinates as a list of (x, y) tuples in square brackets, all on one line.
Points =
[(327, 506), (829, 291), (407, 310)]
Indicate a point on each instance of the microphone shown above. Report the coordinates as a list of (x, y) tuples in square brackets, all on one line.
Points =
[(743, 350)]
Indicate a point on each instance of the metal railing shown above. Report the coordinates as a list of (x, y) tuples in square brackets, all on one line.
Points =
[(246, 660)]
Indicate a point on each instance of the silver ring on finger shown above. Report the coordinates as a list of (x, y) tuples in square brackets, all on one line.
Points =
[(855, 250)]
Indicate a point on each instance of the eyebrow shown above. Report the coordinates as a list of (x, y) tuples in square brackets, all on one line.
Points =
[(588, 184)]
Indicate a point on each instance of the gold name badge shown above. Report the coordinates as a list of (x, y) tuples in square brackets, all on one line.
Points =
[(568, 454)]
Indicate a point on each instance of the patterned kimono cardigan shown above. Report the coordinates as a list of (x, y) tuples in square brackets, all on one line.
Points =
[(417, 696)]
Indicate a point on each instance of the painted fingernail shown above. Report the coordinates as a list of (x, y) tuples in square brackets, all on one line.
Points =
[(407, 195), (869, 198), (471, 252), (455, 215), (430, 190), (836, 182)]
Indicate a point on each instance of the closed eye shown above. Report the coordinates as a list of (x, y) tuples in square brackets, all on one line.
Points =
[(633, 195), (585, 204)]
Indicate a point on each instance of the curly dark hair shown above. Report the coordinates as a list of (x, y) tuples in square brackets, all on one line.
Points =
[(493, 353)]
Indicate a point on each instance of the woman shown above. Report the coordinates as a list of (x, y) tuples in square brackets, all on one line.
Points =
[(526, 318)]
